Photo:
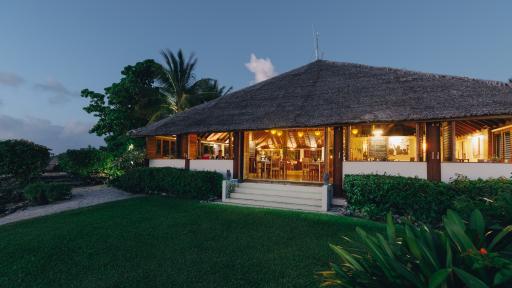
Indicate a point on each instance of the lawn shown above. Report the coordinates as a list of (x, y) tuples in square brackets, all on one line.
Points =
[(162, 242)]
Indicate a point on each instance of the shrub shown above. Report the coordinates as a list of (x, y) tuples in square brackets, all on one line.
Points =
[(44, 193), (493, 197), (175, 182), (374, 196), (88, 163), (456, 256), (23, 160)]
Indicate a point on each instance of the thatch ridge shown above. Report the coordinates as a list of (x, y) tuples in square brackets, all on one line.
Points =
[(334, 93)]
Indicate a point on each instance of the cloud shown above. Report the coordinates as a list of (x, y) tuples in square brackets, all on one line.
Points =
[(60, 94), (262, 68), (10, 79), (59, 138)]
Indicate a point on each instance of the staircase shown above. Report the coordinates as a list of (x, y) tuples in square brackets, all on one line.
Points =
[(296, 197)]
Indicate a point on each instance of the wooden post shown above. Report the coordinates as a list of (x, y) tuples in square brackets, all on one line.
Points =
[(490, 144), (230, 136), (338, 161), (241, 157), (326, 152), (236, 155), (453, 141), (433, 151), (419, 140), (348, 132)]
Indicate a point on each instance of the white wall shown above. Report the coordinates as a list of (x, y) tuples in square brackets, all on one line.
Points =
[(475, 170), (175, 163), (221, 166), (407, 169)]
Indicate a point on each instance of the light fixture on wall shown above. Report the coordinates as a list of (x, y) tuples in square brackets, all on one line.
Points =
[(377, 132), (279, 133), (317, 133), (355, 131), (300, 133), (273, 131)]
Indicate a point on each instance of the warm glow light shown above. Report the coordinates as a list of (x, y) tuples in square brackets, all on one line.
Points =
[(317, 133), (273, 131), (424, 146), (377, 132), (279, 133), (300, 133), (355, 131)]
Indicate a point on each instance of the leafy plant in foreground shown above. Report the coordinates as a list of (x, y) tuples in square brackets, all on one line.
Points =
[(458, 255)]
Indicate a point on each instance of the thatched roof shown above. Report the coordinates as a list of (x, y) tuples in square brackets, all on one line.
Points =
[(330, 93)]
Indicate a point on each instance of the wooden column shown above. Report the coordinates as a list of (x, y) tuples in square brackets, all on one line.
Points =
[(346, 143), (192, 142), (433, 151), (453, 141), (241, 160), (236, 155), (419, 143), (490, 144), (326, 151), (337, 163)]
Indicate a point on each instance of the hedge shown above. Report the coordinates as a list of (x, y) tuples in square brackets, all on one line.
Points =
[(374, 196), (171, 181), (44, 193)]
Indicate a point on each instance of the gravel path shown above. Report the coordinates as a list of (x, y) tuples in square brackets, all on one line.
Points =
[(82, 197)]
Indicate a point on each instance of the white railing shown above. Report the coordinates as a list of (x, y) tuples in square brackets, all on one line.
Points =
[(407, 169), (221, 166), (475, 170), (175, 163)]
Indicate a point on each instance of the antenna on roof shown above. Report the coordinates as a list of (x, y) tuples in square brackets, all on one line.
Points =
[(316, 35)]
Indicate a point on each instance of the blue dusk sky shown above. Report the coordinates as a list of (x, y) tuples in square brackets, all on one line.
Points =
[(50, 50)]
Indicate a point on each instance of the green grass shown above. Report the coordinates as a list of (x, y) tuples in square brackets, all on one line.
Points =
[(162, 242)]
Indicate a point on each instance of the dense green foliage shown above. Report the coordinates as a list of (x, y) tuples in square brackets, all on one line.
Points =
[(162, 242), (458, 255), (88, 163), (374, 195), (493, 197), (171, 181), (126, 105), (44, 193), (23, 160)]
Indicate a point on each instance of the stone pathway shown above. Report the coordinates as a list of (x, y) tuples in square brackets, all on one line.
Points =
[(82, 197)]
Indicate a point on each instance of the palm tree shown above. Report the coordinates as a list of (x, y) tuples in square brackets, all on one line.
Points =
[(180, 86)]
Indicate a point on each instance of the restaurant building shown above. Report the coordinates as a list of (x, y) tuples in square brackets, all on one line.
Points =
[(289, 135)]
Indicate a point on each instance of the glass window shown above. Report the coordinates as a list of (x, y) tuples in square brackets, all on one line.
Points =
[(286, 154), (391, 142)]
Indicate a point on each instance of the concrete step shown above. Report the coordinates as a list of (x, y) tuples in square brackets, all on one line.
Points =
[(276, 199), (281, 187), (256, 203), (282, 193)]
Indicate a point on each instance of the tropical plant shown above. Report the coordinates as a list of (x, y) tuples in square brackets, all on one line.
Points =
[(180, 86), (458, 255)]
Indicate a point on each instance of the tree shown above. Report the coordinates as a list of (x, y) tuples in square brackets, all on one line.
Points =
[(127, 104), (180, 87), (23, 160)]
